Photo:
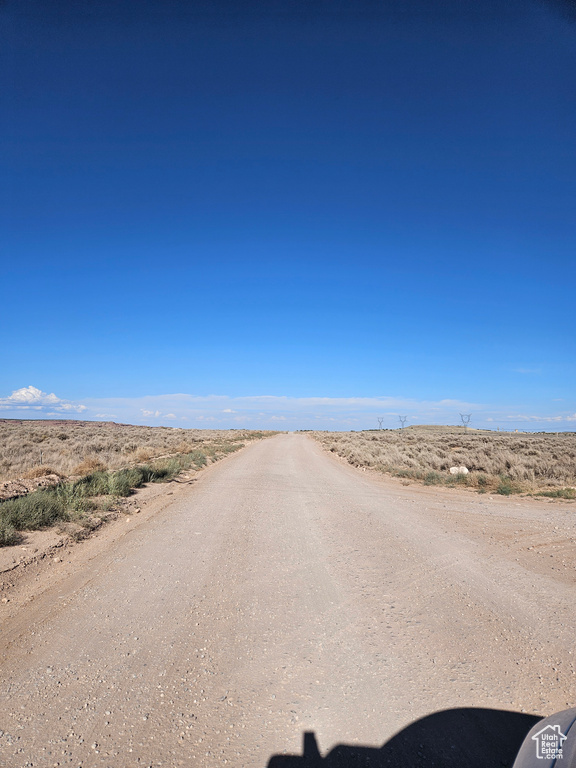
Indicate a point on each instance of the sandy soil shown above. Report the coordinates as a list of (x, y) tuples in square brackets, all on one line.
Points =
[(11, 489), (283, 593)]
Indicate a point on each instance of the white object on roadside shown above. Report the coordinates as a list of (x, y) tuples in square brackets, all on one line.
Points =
[(458, 470)]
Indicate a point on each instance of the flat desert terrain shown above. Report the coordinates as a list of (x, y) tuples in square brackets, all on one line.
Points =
[(503, 462), (286, 598), (29, 447)]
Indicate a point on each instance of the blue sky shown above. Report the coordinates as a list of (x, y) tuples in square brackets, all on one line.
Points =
[(306, 214)]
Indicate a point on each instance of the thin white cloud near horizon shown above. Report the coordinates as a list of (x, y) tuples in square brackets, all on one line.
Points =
[(261, 411), (33, 399), (272, 411)]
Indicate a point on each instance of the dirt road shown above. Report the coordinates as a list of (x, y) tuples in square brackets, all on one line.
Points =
[(286, 592)]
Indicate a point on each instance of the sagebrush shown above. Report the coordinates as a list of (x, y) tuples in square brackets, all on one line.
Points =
[(82, 447), (77, 500), (501, 462), (103, 462)]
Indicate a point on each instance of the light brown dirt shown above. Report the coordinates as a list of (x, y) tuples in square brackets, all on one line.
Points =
[(11, 489), (285, 592)]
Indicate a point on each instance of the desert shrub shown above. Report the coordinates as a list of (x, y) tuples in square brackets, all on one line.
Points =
[(198, 458), (412, 474), (458, 479), (122, 483), (47, 506), (433, 478), (145, 454), (98, 452), (168, 469), (89, 465), (40, 470), (505, 486), (8, 534), (85, 507), (95, 484), (528, 461), (560, 493), (37, 510)]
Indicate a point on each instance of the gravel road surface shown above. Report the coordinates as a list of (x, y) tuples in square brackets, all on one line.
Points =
[(286, 592)]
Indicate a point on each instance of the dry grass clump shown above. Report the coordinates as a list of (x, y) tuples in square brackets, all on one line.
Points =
[(501, 462), (68, 445), (88, 465), (74, 502), (39, 471), (145, 453)]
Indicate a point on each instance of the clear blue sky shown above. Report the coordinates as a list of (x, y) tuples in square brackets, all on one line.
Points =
[(367, 202)]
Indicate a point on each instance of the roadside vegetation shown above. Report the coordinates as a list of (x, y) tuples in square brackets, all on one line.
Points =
[(92, 466), (28, 447), (79, 501), (497, 462)]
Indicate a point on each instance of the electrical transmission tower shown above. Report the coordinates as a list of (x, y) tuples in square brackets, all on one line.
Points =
[(465, 419), (402, 420), (380, 423)]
